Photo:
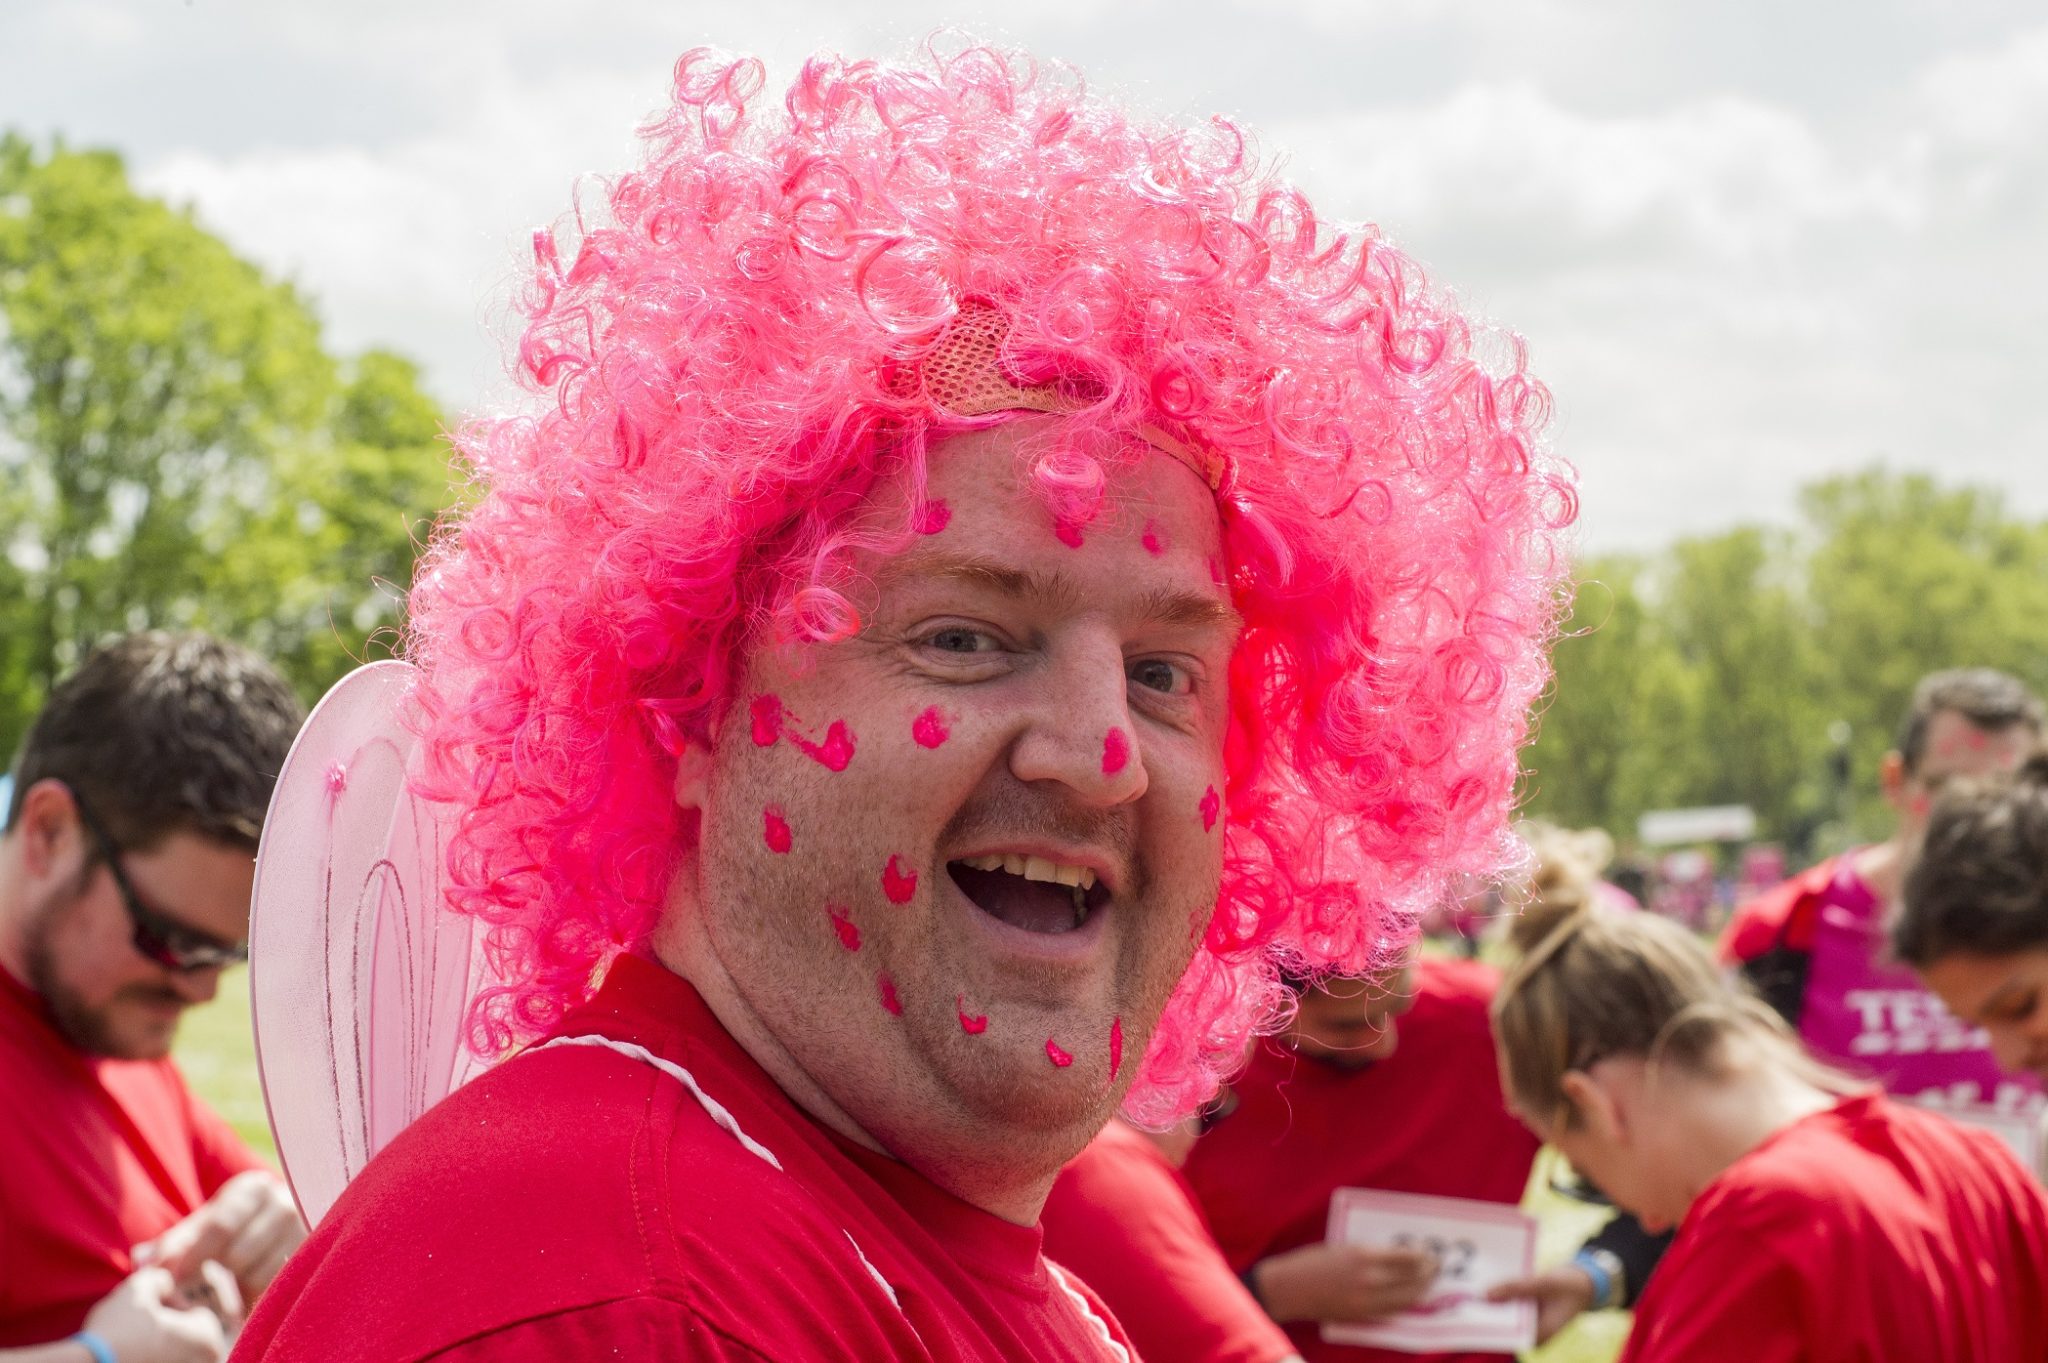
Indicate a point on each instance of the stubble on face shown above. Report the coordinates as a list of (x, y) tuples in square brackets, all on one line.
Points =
[(139, 1021), (821, 929)]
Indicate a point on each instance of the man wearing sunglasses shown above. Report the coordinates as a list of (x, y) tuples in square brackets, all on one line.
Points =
[(125, 871)]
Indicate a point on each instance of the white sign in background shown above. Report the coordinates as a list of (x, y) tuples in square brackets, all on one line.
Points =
[(1478, 1245)]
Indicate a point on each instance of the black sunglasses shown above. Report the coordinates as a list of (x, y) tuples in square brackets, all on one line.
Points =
[(170, 944)]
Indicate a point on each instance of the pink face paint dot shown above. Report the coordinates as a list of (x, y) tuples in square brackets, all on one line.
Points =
[(929, 728), (1059, 1058), (1153, 539), (1212, 805), (973, 1026), (898, 883), (890, 1003), (849, 934), (835, 752), (1116, 1046), (932, 517), (1068, 534), (766, 713), (1116, 752), (775, 829)]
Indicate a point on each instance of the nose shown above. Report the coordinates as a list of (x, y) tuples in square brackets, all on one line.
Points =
[(1078, 727)]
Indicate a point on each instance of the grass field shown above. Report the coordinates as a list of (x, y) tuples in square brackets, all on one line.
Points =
[(219, 1058)]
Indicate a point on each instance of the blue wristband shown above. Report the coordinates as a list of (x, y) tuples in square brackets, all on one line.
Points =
[(1603, 1281), (94, 1345)]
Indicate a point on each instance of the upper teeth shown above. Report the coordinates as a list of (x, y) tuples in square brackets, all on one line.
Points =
[(1034, 868)]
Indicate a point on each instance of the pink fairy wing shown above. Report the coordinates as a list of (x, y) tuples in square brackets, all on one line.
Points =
[(360, 976)]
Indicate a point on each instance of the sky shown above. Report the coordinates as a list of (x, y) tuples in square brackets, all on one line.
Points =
[(1749, 244)]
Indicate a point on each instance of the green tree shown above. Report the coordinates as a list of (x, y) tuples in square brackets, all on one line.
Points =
[(1906, 577), (177, 448), (1713, 672), (1615, 733)]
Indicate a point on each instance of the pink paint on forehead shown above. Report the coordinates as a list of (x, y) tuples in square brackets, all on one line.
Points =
[(775, 829), (929, 729), (1154, 539), (1211, 807), (1116, 752), (1116, 1045), (1059, 1058), (973, 1026), (932, 517), (890, 1002), (767, 716), (849, 935), (1068, 534), (898, 883), (835, 752)]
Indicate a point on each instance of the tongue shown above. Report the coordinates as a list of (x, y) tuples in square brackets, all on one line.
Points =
[(1033, 905)]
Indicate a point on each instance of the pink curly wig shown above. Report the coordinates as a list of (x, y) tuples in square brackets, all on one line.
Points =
[(724, 357)]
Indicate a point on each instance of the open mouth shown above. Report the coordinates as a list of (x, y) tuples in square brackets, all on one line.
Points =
[(1030, 892)]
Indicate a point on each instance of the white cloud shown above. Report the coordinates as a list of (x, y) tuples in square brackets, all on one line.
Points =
[(1741, 264)]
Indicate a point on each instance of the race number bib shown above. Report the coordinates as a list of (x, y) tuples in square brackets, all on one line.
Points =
[(1477, 1246)]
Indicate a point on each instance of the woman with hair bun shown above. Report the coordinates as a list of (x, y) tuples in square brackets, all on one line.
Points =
[(1975, 918), (1816, 1220)]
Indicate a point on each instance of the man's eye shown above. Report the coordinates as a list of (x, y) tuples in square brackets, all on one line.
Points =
[(961, 640), (2019, 1010), (1155, 674)]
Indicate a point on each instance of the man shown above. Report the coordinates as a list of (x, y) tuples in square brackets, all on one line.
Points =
[(965, 533), (1814, 948), (1122, 1216), (1378, 1083), (125, 868), (1974, 921)]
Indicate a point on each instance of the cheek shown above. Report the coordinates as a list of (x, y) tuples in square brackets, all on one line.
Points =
[(930, 729), (775, 830)]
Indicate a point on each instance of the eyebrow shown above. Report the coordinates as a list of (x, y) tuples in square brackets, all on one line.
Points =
[(1057, 591)]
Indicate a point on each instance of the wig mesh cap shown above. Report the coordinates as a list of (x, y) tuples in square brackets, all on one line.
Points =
[(962, 374)]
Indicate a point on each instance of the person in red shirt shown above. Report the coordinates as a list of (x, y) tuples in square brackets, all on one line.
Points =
[(969, 543), (1383, 1083), (124, 889), (1974, 921), (1814, 947), (1816, 1220), (1122, 1217)]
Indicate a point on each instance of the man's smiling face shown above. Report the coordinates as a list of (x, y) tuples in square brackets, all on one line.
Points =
[(957, 863)]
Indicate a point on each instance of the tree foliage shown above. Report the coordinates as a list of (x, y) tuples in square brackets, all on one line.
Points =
[(1714, 673), (176, 446)]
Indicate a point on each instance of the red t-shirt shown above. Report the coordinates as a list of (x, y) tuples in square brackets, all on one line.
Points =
[(576, 1202), (1427, 1119), (1872, 1232), (96, 1156), (1125, 1221)]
